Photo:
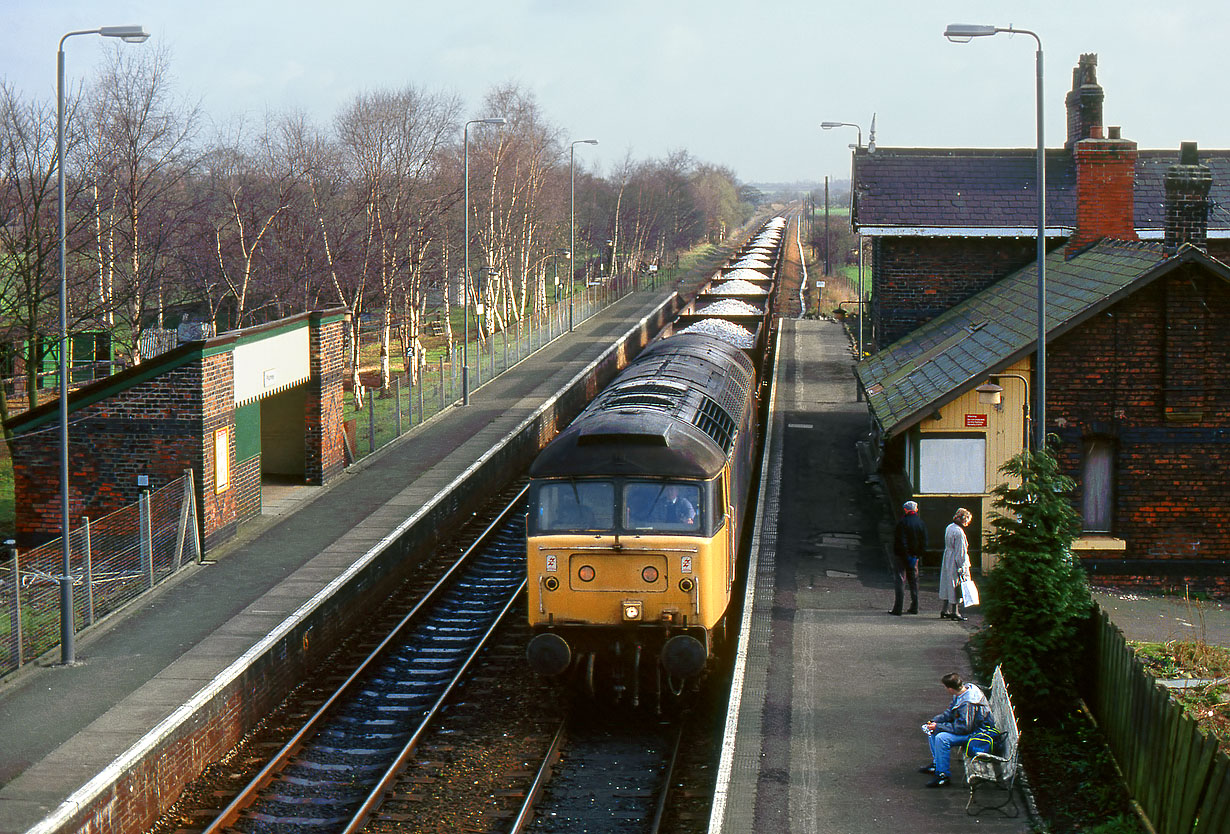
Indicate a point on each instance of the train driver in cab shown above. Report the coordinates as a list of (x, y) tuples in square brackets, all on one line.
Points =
[(675, 509)]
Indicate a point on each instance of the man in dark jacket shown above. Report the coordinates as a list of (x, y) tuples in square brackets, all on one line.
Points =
[(909, 543)]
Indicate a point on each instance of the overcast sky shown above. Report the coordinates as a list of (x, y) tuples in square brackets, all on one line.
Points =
[(734, 82)]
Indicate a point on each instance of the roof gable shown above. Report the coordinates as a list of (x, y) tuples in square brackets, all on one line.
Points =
[(999, 326)]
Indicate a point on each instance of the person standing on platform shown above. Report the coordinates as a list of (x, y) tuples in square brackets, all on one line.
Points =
[(955, 565), (909, 543), (968, 712)]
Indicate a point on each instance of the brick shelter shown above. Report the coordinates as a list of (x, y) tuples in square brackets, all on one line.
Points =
[(260, 403)]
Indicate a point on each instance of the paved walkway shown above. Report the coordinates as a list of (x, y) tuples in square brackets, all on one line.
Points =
[(828, 736)]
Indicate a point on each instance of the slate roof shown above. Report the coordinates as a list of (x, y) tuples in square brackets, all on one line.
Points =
[(995, 188), (997, 327)]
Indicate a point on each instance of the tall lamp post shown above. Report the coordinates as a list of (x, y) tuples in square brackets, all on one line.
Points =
[(963, 33), (830, 126), (128, 34), (465, 267), (572, 217)]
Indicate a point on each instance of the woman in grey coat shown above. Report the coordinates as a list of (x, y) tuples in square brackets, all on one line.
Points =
[(955, 566)]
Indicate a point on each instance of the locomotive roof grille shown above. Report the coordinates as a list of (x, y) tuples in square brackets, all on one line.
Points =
[(656, 394), (716, 422), (641, 400)]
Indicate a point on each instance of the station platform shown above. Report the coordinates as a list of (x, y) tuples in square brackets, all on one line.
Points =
[(62, 729), (830, 690)]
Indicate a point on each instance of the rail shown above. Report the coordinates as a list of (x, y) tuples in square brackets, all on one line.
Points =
[(374, 662)]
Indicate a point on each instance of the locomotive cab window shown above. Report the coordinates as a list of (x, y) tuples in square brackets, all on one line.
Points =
[(576, 505), (662, 506)]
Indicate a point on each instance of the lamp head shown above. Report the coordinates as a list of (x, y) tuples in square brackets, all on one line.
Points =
[(586, 142), (965, 32), (498, 120), (128, 34), (829, 125)]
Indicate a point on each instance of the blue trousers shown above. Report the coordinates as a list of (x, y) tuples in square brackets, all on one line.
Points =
[(941, 747)]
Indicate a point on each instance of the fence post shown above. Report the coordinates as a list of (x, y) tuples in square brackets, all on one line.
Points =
[(422, 391), (190, 488), (89, 572), (441, 381), (181, 531), (397, 402), (371, 421), (15, 616), (146, 538)]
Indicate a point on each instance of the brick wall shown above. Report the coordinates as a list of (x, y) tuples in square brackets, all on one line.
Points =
[(1149, 375), (151, 428), (323, 420), (219, 510), (916, 278)]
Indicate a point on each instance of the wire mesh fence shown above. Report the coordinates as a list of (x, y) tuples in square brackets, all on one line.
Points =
[(386, 415), (113, 560)]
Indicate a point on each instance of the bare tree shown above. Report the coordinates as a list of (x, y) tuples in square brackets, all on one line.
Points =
[(141, 155)]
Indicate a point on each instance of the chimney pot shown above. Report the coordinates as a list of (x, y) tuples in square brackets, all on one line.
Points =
[(1112, 132), (1095, 131)]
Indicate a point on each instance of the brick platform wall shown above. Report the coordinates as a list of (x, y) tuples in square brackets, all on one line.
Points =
[(915, 278), (1149, 375)]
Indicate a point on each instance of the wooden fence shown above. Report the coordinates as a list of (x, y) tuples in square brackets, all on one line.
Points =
[(1172, 768)]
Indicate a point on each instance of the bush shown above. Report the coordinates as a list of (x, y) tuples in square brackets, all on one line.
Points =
[(1037, 597)]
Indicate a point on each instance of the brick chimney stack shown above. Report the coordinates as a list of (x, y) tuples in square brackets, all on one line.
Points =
[(1105, 188), (1187, 201), (1084, 101)]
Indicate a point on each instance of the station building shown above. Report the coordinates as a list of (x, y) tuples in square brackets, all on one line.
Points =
[(264, 403), (1137, 314)]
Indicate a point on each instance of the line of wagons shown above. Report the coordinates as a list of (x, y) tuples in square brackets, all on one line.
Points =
[(637, 508)]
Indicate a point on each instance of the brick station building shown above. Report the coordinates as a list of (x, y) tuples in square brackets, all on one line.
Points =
[(265, 402), (1137, 353)]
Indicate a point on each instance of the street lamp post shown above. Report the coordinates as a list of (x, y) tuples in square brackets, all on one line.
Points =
[(830, 126), (465, 266), (128, 34), (572, 217), (963, 33)]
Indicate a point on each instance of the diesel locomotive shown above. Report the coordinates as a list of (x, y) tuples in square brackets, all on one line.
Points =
[(636, 510)]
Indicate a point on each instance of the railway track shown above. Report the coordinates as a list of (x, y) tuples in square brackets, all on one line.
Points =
[(338, 767), (604, 775)]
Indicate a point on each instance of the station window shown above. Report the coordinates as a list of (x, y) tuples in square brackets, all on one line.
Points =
[(1097, 485), (952, 465)]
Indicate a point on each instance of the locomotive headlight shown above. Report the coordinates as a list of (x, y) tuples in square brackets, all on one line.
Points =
[(650, 574), (632, 609), (686, 584), (550, 583), (585, 573)]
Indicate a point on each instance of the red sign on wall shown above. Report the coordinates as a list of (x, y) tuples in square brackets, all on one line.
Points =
[(975, 421)]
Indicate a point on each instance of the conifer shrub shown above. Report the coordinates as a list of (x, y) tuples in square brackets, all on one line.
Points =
[(1037, 596)]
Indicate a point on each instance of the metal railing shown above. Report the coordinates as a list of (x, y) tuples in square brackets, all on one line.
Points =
[(115, 559)]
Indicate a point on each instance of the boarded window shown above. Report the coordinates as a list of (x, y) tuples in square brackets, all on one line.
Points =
[(953, 465), (1097, 485)]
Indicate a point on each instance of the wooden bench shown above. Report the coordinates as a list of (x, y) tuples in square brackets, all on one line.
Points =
[(1001, 769)]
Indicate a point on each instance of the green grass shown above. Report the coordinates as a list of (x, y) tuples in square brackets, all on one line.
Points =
[(8, 508)]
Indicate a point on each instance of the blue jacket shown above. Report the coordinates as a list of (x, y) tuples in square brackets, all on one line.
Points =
[(968, 712)]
